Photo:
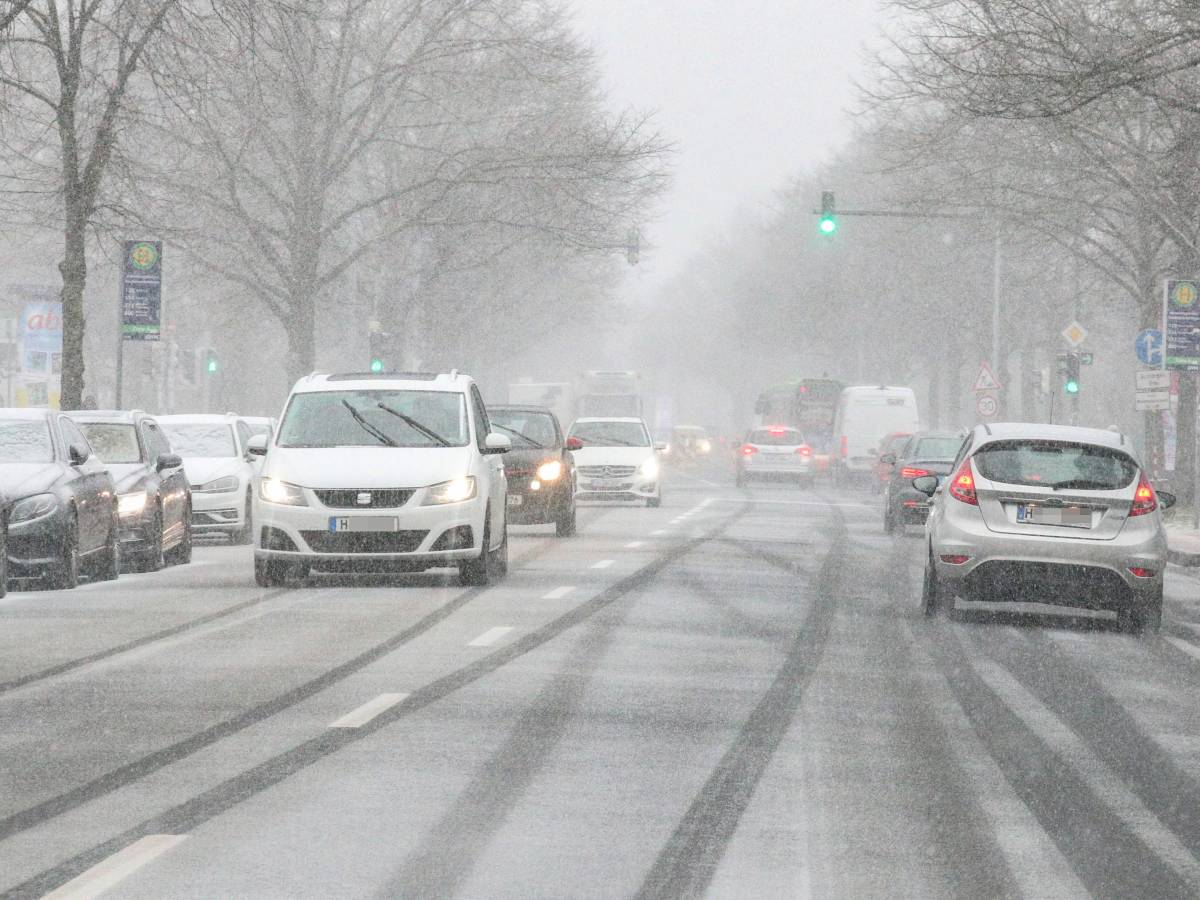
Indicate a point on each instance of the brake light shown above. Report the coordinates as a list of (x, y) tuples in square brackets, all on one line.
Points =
[(1141, 572), (910, 472), (962, 485), (845, 447), (1144, 498), (776, 429), (954, 559), (804, 450), (748, 449)]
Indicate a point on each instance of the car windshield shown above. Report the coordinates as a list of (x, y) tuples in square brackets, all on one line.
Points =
[(25, 441), (375, 418), (114, 442), (199, 439), (526, 428), (611, 434), (774, 437), (1055, 464), (935, 448)]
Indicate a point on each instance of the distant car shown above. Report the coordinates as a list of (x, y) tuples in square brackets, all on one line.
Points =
[(774, 452), (219, 469), (539, 467), (891, 445), (1047, 514), (616, 460), (154, 502), (690, 442), (62, 512), (923, 453), (392, 472)]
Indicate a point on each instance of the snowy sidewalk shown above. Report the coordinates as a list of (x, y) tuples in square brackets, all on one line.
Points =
[(1183, 542)]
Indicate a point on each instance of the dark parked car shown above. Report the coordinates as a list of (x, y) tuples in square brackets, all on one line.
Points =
[(154, 502), (540, 467), (924, 453), (62, 504)]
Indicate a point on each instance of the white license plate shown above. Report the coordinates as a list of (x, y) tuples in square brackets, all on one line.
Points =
[(1070, 516), (515, 499), (363, 523), (601, 486)]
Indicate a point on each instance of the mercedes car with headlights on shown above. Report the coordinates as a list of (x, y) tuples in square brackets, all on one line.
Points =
[(540, 468), (382, 472), (153, 498), (616, 460), (220, 472), (62, 503)]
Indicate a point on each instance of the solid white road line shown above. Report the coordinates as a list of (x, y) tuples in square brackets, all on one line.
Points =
[(1106, 785), (490, 636), (110, 872), (633, 545), (558, 593), (602, 564), (369, 710), (1190, 649)]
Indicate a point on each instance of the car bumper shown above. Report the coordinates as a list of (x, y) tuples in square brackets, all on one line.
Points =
[(634, 487), (34, 546), (777, 469), (530, 507), (1039, 569), (425, 536), (223, 513)]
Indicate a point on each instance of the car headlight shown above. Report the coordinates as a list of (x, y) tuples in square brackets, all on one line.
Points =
[(275, 491), (456, 490), (704, 445), (649, 468), (218, 485), (550, 471), (33, 508), (131, 504)]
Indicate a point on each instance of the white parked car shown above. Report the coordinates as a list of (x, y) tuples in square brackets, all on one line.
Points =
[(219, 469), (616, 460), (394, 472)]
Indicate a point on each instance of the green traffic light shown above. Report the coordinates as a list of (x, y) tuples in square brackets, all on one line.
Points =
[(1072, 386), (828, 225), (376, 366), (212, 365)]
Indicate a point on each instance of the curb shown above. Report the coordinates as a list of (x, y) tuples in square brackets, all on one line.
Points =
[(1183, 558)]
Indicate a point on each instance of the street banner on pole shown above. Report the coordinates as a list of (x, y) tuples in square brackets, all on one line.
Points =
[(141, 291), (39, 341), (1181, 324)]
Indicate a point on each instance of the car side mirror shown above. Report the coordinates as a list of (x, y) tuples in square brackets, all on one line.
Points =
[(660, 446), (888, 459), (496, 443), (257, 445), (168, 461), (926, 484), (574, 443), (79, 454), (1167, 499)]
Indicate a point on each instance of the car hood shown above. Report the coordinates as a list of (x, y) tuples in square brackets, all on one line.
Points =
[(203, 469), (19, 480), (367, 467), (612, 456), (529, 458), (127, 476)]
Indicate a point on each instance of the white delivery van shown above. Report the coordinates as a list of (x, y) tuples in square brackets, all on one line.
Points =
[(864, 415)]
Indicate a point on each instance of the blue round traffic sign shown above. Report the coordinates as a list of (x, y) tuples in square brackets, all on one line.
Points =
[(1149, 346)]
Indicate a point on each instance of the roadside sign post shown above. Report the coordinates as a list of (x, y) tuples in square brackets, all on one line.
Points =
[(1181, 352), (987, 388), (141, 299)]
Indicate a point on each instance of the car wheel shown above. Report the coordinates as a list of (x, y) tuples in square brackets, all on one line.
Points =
[(110, 559), (889, 519), (934, 596), (244, 534), (181, 553), (741, 480), (477, 572), (564, 523), (269, 572), (1142, 618), (64, 574), (152, 560), (654, 502), (498, 558)]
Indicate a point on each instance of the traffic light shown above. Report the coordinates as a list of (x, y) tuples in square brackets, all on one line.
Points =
[(1071, 385), (212, 365), (378, 341), (828, 221)]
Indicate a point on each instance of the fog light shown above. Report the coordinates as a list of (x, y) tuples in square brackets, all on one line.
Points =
[(1141, 572), (535, 485), (954, 559)]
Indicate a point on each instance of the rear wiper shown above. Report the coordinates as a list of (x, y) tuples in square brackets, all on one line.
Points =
[(413, 423), (1083, 484), (368, 427), (520, 434)]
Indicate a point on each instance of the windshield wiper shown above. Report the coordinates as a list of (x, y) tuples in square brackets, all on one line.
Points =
[(1083, 484), (413, 423), (368, 427), (522, 435), (613, 442)]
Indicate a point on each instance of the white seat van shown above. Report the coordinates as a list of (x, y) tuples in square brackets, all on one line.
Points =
[(863, 416)]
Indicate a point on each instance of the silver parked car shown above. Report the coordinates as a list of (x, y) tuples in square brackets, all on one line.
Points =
[(1047, 514)]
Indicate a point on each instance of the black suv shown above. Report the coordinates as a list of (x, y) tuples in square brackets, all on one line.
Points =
[(154, 502), (540, 467)]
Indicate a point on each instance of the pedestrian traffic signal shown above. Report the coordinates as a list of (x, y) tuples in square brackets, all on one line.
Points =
[(828, 221), (211, 364), (378, 341), (1072, 383)]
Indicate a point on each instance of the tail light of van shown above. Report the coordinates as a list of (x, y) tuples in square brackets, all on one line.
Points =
[(962, 485), (748, 450), (845, 446), (1144, 498)]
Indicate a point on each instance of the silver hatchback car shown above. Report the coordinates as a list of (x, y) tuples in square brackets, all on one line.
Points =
[(1047, 514)]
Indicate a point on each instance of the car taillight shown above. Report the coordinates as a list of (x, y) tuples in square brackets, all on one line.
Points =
[(954, 559), (845, 447), (804, 450), (776, 429), (1141, 572), (910, 472), (962, 485), (1144, 499), (748, 449)]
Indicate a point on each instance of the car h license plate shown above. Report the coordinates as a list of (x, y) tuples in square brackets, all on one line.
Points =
[(1039, 514), (363, 523), (515, 499)]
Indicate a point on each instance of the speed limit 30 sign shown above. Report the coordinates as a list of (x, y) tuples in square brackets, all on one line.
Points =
[(986, 406)]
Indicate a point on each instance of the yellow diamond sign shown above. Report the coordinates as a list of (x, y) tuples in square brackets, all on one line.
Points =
[(1074, 334)]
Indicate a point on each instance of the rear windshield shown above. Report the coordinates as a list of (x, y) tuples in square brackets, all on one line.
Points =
[(936, 448), (1056, 464), (768, 438), (114, 442)]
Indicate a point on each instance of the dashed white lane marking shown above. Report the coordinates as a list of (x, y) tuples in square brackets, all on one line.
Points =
[(658, 533), (1105, 784), (633, 545), (765, 501), (490, 636), (369, 710), (602, 564), (1190, 649), (111, 871), (558, 593)]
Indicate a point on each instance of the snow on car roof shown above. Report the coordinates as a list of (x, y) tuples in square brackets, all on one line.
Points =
[(367, 381), (1033, 430)]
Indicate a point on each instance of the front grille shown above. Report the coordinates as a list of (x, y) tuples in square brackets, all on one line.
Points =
[(608, 489), (363, 541), (347, 498), (607, 471), (1020, 581), (519, 473)]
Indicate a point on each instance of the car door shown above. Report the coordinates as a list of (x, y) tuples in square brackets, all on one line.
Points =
[(93, 490), (172, 482), (497, 486)]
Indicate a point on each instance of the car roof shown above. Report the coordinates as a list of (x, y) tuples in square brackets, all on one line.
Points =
[(521, 407), (107, 415), (985, 434), (939, 433), (197, 418), (609, 419), (450, 382), (873, 388), (22, 412)]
